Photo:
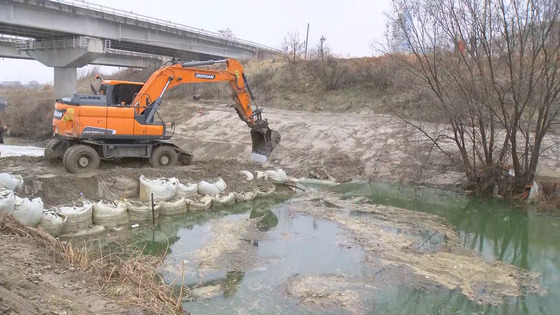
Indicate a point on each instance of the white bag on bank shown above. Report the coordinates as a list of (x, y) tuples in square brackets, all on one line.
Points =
[(162, 188), (7, 201), (11, 182), (28, 211)]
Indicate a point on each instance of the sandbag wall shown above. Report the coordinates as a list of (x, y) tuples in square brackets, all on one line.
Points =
[(127, 201)]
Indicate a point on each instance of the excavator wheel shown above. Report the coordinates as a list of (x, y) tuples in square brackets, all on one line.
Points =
[(164, 156), (55, 149), (80, 159)]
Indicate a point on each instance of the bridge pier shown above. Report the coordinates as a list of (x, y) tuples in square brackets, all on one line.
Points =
[(65, 82), (65, 55)]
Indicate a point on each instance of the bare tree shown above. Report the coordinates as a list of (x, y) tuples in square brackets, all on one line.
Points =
[(292, 46), (324, 67), (493, 67)]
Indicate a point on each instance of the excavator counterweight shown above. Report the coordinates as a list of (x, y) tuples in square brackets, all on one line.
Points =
[(121, 119)]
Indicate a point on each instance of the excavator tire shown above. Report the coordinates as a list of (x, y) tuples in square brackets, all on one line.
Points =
[(80, 159), (55, 149), (164, 156)]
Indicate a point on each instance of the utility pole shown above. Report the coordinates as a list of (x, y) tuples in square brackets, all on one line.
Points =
[(323, 38), (306, 40)]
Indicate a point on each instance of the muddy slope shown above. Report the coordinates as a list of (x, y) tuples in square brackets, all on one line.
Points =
[(32, 282)]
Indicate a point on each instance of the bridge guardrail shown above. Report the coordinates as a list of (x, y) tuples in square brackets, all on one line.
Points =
[(161, 22)]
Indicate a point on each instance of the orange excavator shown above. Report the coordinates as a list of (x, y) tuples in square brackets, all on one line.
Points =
[(121, 119)]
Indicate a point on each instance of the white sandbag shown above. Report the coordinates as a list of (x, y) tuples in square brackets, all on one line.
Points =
[(141, 212), (221, 200), (110, 214), (173, 207), (28, 211), (89, 231), (162, 188), (534, 192), (79, 216), (277, 176), (118, 188), (7, 200), (220, 184), (11, 182), (186, 190), (245, 196), (202, 204), (206, 188), (262, 175), (52, 222), (266, 192), (248, 175)]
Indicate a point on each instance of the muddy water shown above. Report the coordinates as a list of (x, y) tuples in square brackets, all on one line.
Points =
[(290, 248), (19, 147), (492, 227)]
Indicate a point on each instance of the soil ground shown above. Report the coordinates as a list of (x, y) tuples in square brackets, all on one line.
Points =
[(34, 281)]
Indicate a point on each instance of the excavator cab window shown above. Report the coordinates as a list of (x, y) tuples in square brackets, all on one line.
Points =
[(124, 93)]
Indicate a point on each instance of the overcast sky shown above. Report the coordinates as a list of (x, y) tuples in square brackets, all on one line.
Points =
[(350, 26)]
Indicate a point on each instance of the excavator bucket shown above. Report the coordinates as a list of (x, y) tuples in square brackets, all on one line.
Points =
[(264, 141)]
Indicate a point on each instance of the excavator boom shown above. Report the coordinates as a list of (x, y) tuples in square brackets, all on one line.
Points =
[(148, 99)]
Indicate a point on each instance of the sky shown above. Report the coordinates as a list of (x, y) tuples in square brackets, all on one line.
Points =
[(350, 26)]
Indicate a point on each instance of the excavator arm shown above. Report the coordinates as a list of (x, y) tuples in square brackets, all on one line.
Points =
[(149, 98)]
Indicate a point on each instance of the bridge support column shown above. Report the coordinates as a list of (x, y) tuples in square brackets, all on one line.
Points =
[(65, 81), (65, 55)]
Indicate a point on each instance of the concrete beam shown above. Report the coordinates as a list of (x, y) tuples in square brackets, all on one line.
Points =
[(144, 36), (67, 52), (110, 58)]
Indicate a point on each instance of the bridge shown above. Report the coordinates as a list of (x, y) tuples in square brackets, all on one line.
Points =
[(68, 35)]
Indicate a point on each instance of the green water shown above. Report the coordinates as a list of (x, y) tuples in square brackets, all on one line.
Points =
[(299, 244)]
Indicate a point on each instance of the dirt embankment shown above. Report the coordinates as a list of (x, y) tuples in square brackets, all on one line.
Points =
[(38, 277)]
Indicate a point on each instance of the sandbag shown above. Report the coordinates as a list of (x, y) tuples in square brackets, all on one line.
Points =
[(110, 214), (173, 207), (266, 192), (162, 188), (186, 190), (221, 200), (202, 204), (248, 175), (141, 212), (245, 196), (262, 175), (79, 216), (206, 188), (28, 211), (277, 176), (118, 188), (52, 222), (7, 200), (11, 182), (88, 231)]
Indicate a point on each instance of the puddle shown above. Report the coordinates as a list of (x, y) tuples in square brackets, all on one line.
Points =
[(272, 258)]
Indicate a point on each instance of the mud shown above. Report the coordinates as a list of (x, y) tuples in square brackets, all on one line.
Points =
[(55, 186), (419, 250), (33, 282), (330, 292)]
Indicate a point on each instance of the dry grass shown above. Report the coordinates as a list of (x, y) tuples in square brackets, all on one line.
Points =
[(30, 112), (129, 276)]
